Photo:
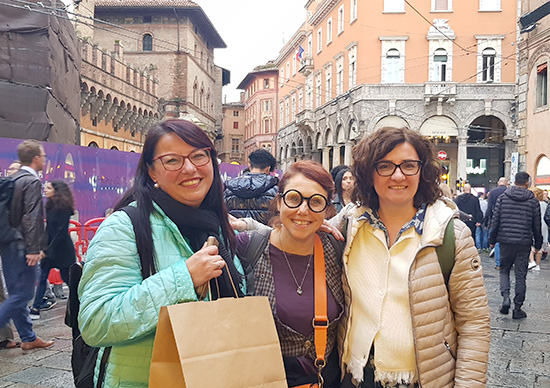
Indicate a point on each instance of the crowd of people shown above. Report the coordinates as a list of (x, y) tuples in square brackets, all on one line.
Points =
[(397, 314)]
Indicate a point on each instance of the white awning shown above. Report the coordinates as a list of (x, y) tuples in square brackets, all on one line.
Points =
[(391, 121), (439, 126)]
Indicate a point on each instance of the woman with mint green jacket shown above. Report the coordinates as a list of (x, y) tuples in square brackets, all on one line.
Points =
[(179, 197)]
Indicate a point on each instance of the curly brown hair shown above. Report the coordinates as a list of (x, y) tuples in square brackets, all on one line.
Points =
[(62, 196), (375, 146)]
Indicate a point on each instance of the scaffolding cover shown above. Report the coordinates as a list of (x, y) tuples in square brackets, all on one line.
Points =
[(39, 73)]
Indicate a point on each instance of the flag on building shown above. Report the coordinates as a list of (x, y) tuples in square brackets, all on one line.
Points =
[(299, 53)]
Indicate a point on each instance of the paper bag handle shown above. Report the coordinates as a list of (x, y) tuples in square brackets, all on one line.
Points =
[(204, 289)]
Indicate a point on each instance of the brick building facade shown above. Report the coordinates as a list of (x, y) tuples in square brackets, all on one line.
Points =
[(445, 68), (119, 104), (532, 107), (176, 40), (260, 95), (230, 144)]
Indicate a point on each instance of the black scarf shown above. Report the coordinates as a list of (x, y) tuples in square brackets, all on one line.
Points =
[(197, 225)]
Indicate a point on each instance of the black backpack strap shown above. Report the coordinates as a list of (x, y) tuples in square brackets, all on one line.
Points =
[(257, 242), (446, 252), (103, 367), (132, 212)]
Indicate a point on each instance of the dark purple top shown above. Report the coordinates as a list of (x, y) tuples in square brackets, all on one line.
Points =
[(294, 310)]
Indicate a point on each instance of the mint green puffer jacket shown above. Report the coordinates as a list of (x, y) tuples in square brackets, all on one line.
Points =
[(120, 309)]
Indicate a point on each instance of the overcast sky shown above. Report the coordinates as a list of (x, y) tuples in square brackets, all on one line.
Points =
[(254, 32)]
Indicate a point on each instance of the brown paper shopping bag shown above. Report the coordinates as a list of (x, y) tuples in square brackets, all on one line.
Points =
[(230, 343)]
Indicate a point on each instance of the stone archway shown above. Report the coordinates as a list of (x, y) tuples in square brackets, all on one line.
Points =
[(485, 151), (443, 133), (391, 121)]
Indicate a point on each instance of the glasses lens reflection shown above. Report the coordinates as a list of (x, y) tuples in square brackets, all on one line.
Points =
[(293, 199), (174, 162), (408, 167)]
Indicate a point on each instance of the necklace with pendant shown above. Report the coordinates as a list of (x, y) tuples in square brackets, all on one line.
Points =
[(299, 290)]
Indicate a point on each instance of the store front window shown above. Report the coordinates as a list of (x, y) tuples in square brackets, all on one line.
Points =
[(542, 179)]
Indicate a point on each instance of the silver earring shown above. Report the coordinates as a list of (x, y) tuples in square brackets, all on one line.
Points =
[(156, 185)]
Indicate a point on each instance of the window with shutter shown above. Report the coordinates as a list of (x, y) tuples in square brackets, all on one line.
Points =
[(542, 85)]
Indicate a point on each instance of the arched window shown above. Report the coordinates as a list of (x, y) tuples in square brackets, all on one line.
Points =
[(93, 144), (440, 62), (195, 94), (114, 148), (488, 55), (147, 42), (393, 59)]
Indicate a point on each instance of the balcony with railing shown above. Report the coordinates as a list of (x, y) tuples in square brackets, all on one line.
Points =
[(306, 66), (305, 119), (439, 91)]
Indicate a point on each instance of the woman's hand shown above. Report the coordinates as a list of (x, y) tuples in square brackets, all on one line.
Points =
[(327, 228), (205, 264), (237, 224)]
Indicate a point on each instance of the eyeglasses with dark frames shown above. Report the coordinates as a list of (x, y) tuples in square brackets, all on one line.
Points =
[(408, 167), (293, 199), (174, 162)]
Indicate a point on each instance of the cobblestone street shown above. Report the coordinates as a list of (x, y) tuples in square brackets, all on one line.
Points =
[(520, 349)]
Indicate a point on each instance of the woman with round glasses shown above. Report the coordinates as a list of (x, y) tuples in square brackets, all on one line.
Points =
[(179, 199), (284, 272), (406, 325)]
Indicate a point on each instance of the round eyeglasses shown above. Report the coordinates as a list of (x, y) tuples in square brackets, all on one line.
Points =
[(293, 199), (407, 167), (174, 162)]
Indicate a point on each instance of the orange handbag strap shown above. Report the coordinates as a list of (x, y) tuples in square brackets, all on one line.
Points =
[(320, 322)]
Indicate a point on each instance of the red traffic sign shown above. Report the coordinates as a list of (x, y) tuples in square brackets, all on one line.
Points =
[(442, 155)]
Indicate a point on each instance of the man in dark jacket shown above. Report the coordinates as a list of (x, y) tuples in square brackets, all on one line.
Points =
[(492, 197), (515, 224), (20, 256), (469, 205), (251, 194)]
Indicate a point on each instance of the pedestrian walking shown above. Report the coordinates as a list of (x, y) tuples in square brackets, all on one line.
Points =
[(482, 232), (535, 257), (492, 197), (59, 252), (7, 339), (20, 256), (515, 224), (469, 204)]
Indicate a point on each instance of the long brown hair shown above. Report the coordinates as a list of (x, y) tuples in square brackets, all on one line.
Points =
[(62, 197), (374, 147)]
